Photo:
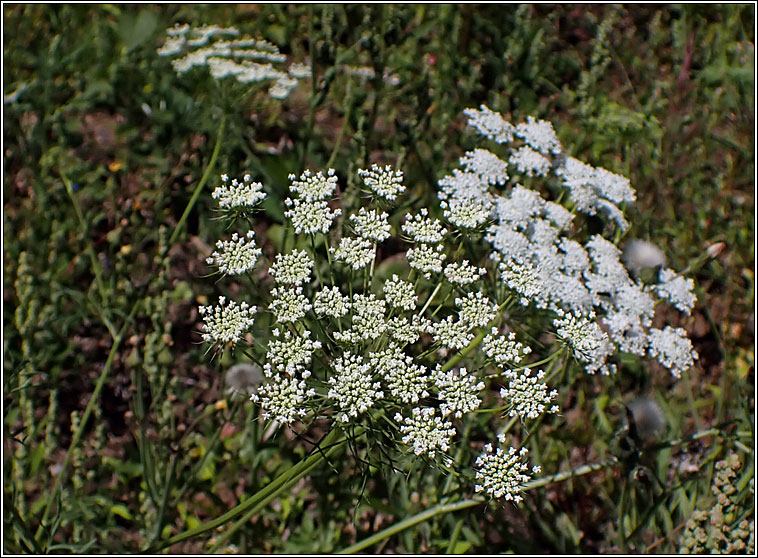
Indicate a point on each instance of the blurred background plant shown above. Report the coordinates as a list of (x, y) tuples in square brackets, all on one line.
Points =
[(105, 146)]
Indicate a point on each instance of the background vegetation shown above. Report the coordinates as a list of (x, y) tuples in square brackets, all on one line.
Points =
[(105, 144)]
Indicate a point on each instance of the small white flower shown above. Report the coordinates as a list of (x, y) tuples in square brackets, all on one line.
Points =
[(540, 135), (291, 354), (371, 225), (368, 316), (310, 217), (677, 290), (282, 87), (523, 279), (504, 350), (352, 387), (300, 71), (529, 162), (458, 391), (466, 213), (237, 255), (426, 259), (225, 323), (450, 334), (527, 395), (673, 349), (312, 187), (405, 332), (406, 380), (282, 398), (355, 252), (292, 269), (423, 229), (491, 169), (476, 310), (243, 194), (400, 294), (490, 124), (502, 474), (425, 432), (288, 305), (331, 302), (589, 343), (384, 182), (463, 273)]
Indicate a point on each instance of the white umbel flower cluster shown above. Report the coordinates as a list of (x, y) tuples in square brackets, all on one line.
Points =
[(463, 273), (540, 135), (355, 252), (476, 310), (289, 305), (527, 396), (331, 302), (673, 349), (589, 343), (291, 353), (237, 255), (227, 321), (529, 162), (368, 320), (523, 279), (502, 474), (490, 168), (384, 182), (312, 187), (421, 228), (400, 294), (310, 217), (371, 225), (283, 398), (490, 124), (458, 391), (238, 195), (466, 213), (426, 259), (352, 387), (292, 269), (504, 350), (425, 432), (677, 290), (226, 54), (406, 380), (407, 332), (451, 333)]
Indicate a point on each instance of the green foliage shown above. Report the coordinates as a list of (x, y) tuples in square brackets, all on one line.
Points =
[(105, 146)]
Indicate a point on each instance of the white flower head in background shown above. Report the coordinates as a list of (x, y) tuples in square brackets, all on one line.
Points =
[(244, 377), (641, 254), (227, 54)]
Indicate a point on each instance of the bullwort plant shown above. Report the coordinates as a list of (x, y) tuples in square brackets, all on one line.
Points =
[(495, 294)]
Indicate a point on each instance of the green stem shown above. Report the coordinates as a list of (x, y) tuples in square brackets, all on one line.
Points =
[(345, 124), (246, 518), (164, 498), (83, 422), (566, 475), (410, 522), (199, 187), (96, 267), (429, 300), (464, 504), (265, 495)]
